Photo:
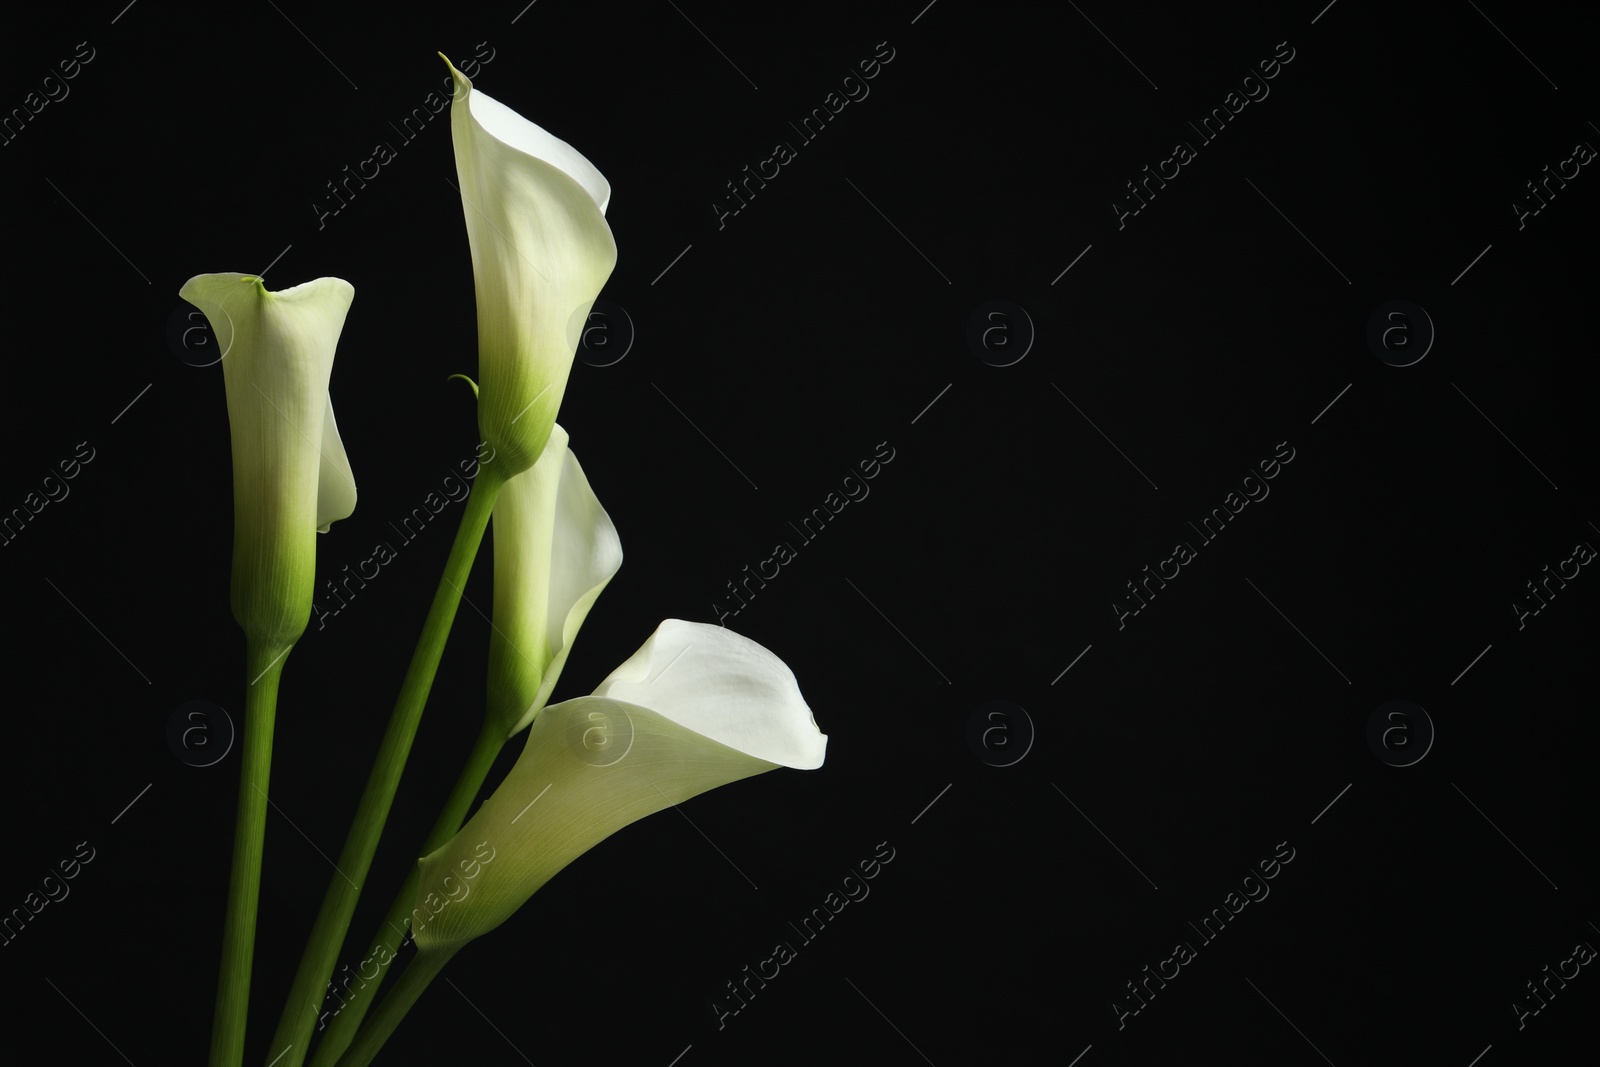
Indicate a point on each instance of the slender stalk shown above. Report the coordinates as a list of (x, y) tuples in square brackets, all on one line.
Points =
[(342, 1029), (244, 881), (292, 1040), (413, 980)]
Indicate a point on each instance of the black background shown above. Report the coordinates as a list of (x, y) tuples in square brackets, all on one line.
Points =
[(820, 321)]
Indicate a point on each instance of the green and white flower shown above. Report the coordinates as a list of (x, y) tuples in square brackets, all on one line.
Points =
[(697, 707), (291, 477), (541, 251), (555, 549)]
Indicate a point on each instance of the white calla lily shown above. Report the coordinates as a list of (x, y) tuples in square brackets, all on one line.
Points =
[(555, 548), (697, 707), (541, 251), (291, 477)]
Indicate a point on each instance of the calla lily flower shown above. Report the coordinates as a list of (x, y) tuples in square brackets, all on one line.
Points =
[(697, 707), (555, 549), (291, 477), (541, 251)]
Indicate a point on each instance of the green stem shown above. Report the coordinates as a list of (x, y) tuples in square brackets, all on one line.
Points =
[(244, 882), (413, 980), (342, 1030), (293, 1037)]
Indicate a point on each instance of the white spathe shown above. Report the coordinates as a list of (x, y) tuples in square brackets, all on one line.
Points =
[(541, 252), (697, 707), (291, 477), (555, 548)]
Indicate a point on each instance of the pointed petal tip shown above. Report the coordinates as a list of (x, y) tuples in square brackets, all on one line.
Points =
[(460, 78)]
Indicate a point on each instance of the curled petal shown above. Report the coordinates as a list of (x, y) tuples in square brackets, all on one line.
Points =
[(593, 765), (541, 251), (291, 476), (725, 686), (555, 548)]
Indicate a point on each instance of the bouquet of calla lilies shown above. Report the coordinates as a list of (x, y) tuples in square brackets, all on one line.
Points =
[(696, 707)]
